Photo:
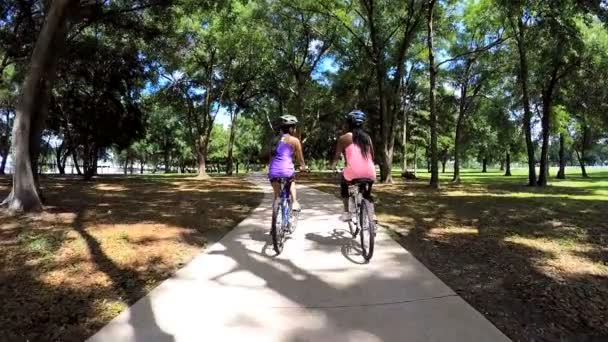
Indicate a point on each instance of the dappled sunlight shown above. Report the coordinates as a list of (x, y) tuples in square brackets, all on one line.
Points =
[(105, 244), (109, 187), (522, 256)]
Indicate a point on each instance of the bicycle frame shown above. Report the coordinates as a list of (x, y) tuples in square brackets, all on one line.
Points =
[(284, 200)]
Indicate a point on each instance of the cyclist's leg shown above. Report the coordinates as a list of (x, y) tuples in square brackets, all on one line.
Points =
[(276, 188), (345, 198), (295, 205)]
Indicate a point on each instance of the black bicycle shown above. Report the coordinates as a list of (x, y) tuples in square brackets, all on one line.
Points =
[(361, 209), (284, 220)]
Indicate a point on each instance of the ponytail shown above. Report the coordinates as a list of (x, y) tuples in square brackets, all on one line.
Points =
[(274, 144), (363, 141)]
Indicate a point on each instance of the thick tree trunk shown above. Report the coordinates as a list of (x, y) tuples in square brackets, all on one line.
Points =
[(90, 163), (508, 165), (233, 129), (484, 165), (33, 107), (547, 98), (432, 95), (523, 81), (561, 174)]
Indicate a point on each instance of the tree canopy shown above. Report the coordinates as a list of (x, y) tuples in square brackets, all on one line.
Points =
[(197, 86)]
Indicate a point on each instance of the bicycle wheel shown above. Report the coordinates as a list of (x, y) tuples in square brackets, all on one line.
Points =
[(368, 229), (277, 232), (294, 216), (352, 209)]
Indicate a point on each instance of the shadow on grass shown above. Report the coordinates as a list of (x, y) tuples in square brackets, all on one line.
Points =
[(87, 228), (512, 257)]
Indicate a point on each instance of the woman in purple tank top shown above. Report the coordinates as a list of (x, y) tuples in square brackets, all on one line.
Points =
[(282, 150)]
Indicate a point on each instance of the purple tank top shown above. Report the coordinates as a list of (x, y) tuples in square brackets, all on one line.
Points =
[(281, 165)]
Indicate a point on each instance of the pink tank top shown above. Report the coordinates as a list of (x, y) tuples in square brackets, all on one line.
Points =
[(356, 165)]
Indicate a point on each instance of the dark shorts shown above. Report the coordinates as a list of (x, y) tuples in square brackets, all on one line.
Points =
[(344, 189)]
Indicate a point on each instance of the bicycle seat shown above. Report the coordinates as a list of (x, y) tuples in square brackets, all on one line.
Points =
[(361, 181)]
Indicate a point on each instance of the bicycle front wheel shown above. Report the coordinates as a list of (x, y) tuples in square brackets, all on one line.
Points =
[(277, 232), (368, 229)]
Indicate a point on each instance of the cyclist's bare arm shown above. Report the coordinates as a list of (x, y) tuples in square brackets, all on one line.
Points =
[(339, 151), (299, 153)]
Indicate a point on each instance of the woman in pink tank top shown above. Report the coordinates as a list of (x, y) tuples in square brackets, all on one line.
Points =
[(356, 146)]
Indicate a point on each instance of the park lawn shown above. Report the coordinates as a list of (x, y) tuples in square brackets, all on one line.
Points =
[(533, 261), (102, 245)]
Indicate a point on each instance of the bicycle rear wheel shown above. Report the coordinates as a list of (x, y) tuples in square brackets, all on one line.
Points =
[(368, 229), (277, 232), (294, 216)]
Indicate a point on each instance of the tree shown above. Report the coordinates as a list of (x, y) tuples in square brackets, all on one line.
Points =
[(432, 95), (31, 111), (384, 31)]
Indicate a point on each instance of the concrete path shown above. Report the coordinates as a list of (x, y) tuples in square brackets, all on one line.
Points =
[(318, 289)]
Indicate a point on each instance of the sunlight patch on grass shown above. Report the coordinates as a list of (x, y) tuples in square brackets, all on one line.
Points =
[(109, 187)]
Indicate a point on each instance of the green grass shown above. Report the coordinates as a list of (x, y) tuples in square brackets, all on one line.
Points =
[(526, 257), (575, 186)]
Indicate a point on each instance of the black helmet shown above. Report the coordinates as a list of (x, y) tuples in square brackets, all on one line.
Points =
[(356, 117), (288, 120)]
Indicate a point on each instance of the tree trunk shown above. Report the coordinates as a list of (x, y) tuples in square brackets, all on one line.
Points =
[(3, 162), (544, 154), (502, 165), (485, 165), (415, 160), (582, 156), (201, 156), (141, 167), (404, 141), (75, 161), (561, 174), (547, 98), (5, 145), (432, 95), (166, 153), (457, 139), (60, 160), (508, 164), (233, 128), (125, 167), (33, 107), (523, 80), (443, 162), (581, 162)]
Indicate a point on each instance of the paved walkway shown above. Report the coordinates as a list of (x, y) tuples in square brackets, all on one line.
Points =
[(318, 289)]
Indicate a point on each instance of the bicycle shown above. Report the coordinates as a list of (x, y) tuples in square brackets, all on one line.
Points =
[(361, 210), (284, 220), (362, 214)]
